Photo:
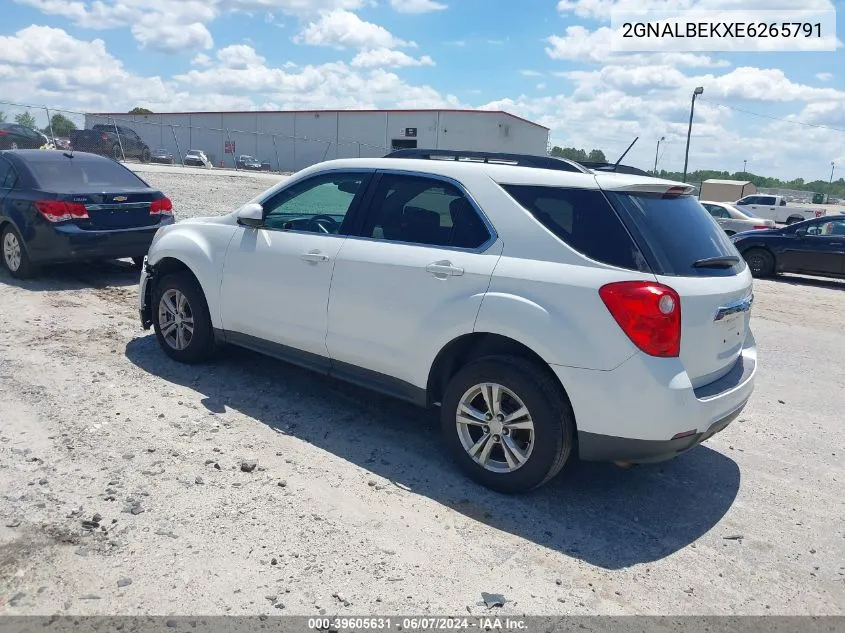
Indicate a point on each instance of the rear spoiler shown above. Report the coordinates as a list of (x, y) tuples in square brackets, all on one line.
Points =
[(666, 189)]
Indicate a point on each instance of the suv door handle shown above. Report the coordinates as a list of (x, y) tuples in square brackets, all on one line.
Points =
[(315, 256), (444, 268)]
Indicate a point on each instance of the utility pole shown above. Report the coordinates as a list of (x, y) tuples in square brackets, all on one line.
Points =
[(656, 152), (830, 182), (695, 93), (744, 167)]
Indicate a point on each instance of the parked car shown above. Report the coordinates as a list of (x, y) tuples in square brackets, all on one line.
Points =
[(248, 162), (735, 220), (114, 141), (62, 143), (15, 136), (60, 207), (775, 208), (813, 247), (162, 156), (541, 308), (196, 158), (266, 166)]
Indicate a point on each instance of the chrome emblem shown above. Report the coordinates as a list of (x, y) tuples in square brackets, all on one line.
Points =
[(120, 198), (743, 305)]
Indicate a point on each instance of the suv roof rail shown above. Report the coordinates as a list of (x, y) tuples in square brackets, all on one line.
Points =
[(619, 169), (519, 160)]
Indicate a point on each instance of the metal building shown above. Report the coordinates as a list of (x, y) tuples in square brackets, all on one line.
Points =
[(292, 140)]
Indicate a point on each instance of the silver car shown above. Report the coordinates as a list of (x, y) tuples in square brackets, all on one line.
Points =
[(733, 219)]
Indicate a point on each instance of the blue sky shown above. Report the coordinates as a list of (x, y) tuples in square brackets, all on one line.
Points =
[(546, 60)]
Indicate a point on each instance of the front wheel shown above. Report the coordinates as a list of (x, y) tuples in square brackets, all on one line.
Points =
[(507, 423), (15, 257), (181, 319), (793, 220)]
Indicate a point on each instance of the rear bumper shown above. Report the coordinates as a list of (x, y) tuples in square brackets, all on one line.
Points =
[(635, 412), (595, 447), (62, 243)]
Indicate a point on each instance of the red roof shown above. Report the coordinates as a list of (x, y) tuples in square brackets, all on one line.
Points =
[(499, 112)]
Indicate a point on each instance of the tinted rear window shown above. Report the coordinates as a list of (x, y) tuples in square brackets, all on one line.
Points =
[(583, 219), (678, 232), (71, 174)]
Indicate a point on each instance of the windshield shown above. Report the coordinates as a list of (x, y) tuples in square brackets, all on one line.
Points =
[(74, 175), (679, 233)]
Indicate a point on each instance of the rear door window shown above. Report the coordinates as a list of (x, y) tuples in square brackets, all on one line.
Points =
[(583, 219), (678, 234), (420, 210), (71, 174)]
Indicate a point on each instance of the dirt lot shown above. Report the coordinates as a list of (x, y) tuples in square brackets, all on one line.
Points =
[(353, 509)]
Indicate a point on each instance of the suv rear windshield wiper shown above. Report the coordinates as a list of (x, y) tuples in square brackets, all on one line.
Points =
[(722, 261)]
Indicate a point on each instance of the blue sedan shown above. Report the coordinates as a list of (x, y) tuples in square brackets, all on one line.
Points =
[(61, 206)]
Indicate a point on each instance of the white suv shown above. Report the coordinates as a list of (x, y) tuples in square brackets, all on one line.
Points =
[(548, 309)]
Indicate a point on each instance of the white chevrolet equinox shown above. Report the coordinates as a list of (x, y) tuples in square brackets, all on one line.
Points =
[(550, 310)]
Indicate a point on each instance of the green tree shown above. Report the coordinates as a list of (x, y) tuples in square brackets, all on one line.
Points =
[(597, 156), (25, 118), (62, 126), (578, 155), (2, 116), (140, 110)]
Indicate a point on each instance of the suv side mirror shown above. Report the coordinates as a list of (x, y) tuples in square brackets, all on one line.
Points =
[(802, 232), (251, 215)]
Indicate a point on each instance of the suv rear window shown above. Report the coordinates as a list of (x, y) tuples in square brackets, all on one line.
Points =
[(584, 220), (678, 232), (73, 173)]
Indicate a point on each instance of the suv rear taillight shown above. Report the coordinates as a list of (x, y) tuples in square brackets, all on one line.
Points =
[(648, 312), (61, 211), (104, 136), (162, 206)]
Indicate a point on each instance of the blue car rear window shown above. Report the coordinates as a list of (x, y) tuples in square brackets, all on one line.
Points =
[(73, 174)]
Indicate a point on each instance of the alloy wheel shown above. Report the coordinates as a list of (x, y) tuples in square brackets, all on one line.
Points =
[(176, 319), (495, 427), (12, 251)]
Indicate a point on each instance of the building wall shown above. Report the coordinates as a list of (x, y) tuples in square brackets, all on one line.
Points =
[(290, 141)]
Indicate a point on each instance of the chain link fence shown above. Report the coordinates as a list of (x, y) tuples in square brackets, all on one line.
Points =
[(238, 140)]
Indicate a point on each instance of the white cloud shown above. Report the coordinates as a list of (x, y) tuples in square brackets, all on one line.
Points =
[(541, 86), (156, 24), (824, 76), (601, 9), (343, 29), (41, 64), (239, 56), (530, 73), (170, 37), (201, 59), (386, 58), (417, 6), (583, 45)]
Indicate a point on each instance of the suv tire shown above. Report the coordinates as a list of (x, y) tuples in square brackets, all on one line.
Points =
[(542, 450), (181, 319)]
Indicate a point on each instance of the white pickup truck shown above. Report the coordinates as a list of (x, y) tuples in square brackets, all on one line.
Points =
[(775, 208)]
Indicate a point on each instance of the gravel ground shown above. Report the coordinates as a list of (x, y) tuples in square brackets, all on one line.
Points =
[(130, 484)]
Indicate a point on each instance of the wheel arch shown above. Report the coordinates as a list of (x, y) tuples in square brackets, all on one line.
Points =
[(469, 347)]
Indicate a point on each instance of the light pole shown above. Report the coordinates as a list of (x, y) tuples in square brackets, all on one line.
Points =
[(662, 138), (695, 93), (830, 182), (744, 167)]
